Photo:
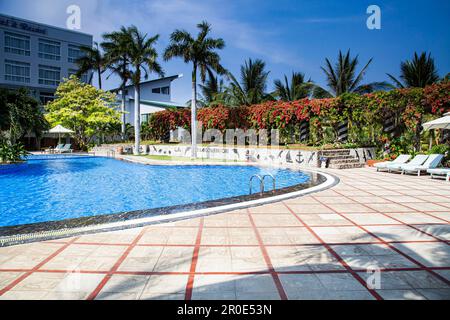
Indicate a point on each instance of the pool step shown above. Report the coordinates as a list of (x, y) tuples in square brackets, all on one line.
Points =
[(341, 159)]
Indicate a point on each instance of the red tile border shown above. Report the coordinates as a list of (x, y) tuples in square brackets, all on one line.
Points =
[(116, 266), (39, 265), (276, 279), (404, 254), (190, 283), (334, 253)]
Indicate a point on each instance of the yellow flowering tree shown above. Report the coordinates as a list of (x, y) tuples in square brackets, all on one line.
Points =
[(86, 110)]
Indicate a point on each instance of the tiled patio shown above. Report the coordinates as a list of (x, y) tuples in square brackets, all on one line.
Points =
[(315, 247)]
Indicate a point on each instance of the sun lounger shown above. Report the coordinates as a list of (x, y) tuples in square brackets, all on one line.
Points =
[(65, 149), (417, 161), (432, 162), (401, 159), (56, 149), (440, 172)]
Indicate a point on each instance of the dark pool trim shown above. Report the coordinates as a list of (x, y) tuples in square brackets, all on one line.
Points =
[(51, 230)]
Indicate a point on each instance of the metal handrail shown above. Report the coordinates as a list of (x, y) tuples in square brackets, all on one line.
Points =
[(273, 181), (261, 183)]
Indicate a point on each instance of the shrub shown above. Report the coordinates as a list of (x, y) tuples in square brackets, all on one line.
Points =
[(365, 116), (12, 153)]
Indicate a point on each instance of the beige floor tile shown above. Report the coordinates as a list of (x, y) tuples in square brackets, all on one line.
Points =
[(398, 233), (369, 218), (343, 235), (317, 219)]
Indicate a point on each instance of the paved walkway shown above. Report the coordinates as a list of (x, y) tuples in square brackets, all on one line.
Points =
[(314, 247)]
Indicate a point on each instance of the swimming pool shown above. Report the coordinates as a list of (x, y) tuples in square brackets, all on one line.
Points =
[(67, 188)]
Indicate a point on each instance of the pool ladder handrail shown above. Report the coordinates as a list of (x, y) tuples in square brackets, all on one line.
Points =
[(274, 181), (262, 182)]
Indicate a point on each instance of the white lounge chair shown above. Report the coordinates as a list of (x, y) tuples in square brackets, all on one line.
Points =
[(432, 162), (56, 149), (401, 159), (440, 172), (65, 149), (417, 161)]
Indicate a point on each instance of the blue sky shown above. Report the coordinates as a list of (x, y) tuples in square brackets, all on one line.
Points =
[(290, 35)]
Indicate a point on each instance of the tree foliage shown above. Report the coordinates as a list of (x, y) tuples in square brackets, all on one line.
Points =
[(20, 114), (88, 111)]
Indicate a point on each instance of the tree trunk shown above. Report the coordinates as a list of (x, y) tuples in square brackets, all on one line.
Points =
[(417, 144), (99, 78), (194, 113), (123, 114), (137, 119)]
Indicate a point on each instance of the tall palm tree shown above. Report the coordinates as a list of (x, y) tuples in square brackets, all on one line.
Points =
[(296, 90), (91, 60), (115, 46), (201, 53), (419, 72), (142, 57), (251, 89), (343, 78)]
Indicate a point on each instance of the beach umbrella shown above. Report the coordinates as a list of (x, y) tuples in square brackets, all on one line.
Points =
[(59, 129), (441, 123)]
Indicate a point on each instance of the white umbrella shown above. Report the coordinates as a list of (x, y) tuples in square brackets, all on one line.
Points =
[(59, 129), (441, 123)]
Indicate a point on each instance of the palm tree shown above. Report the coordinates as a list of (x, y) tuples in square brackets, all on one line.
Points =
[(296, 90), (342, 78), (92, 59), (251, 89), (213, 89), (201, 53), (116, 54), (142, 57), (419, 72)]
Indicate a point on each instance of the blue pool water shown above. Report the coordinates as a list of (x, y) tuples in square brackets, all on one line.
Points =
[(51, 190)]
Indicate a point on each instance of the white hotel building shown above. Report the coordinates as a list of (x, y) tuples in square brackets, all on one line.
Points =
[(38, 56)]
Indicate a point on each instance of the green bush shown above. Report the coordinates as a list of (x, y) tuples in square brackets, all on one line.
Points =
[(12, 153), (441, 149)]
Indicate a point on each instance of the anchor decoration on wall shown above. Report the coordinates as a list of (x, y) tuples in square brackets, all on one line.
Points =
[(299, 159)]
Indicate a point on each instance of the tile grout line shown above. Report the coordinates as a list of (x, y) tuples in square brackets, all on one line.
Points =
[(392, 247), (273, 273), (116, 266), (35, 268), (402, 204), (334, 253), (390, 189), (195, 255), (385, 215)]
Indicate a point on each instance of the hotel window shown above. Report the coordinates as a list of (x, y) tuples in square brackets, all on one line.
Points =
[(74, 53), (83, 78), (17, 43), (50, 50), (49, 75), (163, 90), (17, 71)]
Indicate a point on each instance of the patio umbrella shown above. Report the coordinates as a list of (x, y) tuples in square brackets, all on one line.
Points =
[(59, 129), (441, 123)]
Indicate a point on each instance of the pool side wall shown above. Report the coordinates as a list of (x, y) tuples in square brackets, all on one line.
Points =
[(299, 158)]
